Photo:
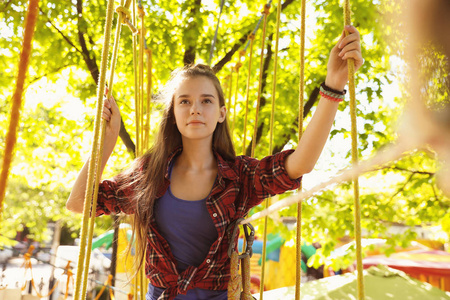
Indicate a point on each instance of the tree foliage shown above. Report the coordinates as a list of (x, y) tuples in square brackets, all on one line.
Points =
[(54, 139)]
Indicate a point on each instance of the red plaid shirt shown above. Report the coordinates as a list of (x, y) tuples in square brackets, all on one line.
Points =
[(240, 185)]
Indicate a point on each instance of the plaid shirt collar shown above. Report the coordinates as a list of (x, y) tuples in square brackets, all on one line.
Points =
[(224, 168)]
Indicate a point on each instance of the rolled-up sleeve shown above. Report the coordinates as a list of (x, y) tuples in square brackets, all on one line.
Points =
[(112, 200), (267, 177)]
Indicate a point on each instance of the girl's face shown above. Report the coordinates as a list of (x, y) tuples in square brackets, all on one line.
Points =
[(197, 109)]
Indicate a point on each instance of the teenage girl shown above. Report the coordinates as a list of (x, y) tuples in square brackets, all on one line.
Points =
[(190, 186)]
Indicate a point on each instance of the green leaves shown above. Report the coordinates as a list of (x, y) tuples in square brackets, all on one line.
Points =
[(53, 143)]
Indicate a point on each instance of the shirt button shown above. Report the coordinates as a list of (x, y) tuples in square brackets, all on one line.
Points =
[(214, 215), (208, 261)]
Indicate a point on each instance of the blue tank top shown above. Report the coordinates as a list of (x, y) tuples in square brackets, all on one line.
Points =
[(190, 232)]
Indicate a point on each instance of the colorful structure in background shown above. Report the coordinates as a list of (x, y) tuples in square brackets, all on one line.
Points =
[(432, 266), (416, 260), (280, 259), (124, 259), (379, 282)]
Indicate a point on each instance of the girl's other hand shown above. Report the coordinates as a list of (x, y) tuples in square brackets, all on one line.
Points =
[(347, 47), (111, 114)]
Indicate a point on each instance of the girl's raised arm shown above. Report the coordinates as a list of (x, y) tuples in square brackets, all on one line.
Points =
[(304, 158), (111, 115)]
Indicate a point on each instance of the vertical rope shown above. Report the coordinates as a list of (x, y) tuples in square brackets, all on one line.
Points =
[(251, 38), (141, 79), (149, 97), (266, 13), (230, 89), (354, 132), (143, 285), (213, 44), (136, 83), (272, 115), (298, 270), (135, 287), (11, 135), (236, 69), (98, 125)]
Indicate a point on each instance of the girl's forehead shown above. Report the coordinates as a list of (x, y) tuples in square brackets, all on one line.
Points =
[(196, 84)]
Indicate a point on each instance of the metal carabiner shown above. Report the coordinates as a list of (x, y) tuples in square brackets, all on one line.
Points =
[(249, 232)]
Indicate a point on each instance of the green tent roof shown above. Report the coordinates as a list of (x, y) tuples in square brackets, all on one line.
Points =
[(381, 283)]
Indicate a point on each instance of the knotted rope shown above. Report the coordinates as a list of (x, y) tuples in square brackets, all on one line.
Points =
[(354, 133), (94, 170), (14, 116), (298, 256)]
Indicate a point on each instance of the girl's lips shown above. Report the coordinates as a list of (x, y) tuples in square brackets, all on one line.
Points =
[(196, 123)]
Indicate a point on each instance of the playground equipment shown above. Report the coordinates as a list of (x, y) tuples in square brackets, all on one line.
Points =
[(380, 283)]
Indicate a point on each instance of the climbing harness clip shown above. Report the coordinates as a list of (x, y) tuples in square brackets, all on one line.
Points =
[(249, 232)]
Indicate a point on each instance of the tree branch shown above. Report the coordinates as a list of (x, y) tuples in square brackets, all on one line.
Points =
[(6, 5), (402, 188), (191, 43), (406, 170), (229, 55), (60, 32), (266, 64), (48, 73), (306, 109)]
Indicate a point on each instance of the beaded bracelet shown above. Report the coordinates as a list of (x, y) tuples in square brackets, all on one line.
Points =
[(331, 94)]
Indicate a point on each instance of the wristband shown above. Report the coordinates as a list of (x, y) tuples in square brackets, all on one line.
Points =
[(331, 94)]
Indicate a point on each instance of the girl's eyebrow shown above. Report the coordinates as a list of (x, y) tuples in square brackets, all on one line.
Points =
[(202, 95)]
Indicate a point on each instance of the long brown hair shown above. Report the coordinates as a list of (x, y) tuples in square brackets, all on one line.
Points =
[(147, 173)]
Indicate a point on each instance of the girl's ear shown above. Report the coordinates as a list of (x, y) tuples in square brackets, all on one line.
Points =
[(223, 114)]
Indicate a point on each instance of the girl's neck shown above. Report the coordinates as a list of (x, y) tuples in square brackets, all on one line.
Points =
[(197, 155)]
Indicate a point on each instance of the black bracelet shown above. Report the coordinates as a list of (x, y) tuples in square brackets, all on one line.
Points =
[(327, 88)]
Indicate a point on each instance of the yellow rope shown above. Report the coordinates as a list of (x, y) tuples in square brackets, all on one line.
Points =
[(235, 284), (230, 89), (251, 37), (298, 271), (354, 132), (141, 80), (143, 285), (236, 69), (100, 149), (266, 13), (96, 153), (91, 176), (107, 283), (136, 84), (272, 115), (246, 294), (69, 278), (27, 265), (11, 135), (135, 281), (149, 97)]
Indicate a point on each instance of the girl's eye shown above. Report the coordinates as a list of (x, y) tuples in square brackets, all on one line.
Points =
[(207, 101), (184, 101)]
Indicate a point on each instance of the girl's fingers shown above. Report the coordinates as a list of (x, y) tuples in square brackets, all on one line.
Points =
[(352, 37), (351, 29), (106, 113), (341, 38), (106, 116), (350, 47), (356, 55), (348, 40)]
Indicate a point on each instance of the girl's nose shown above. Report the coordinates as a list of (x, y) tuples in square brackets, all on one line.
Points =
[(195, 108)]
